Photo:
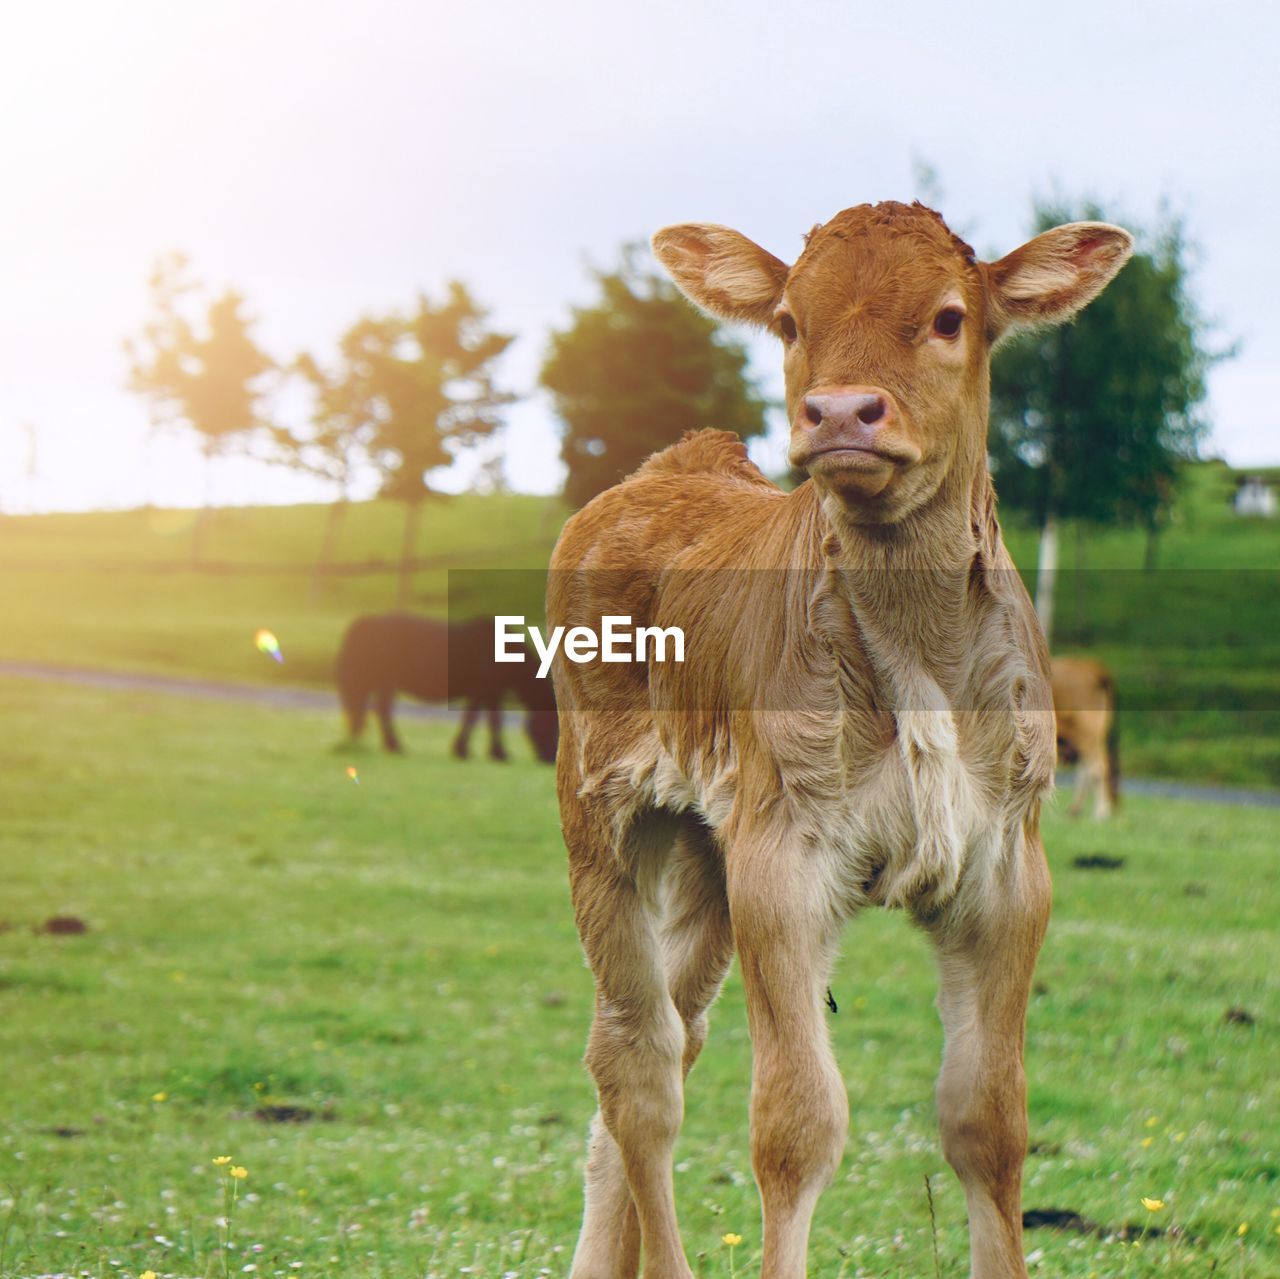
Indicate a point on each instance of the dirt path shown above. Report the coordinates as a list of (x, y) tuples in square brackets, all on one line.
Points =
[(316, 699), (1209, 794), (214, 690)]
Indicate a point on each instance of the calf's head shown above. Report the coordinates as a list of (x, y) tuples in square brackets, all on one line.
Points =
[(887, 322)]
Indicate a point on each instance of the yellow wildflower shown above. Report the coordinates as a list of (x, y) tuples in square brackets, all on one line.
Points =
[(1151, 1123), (1152, 1205), (732, 1240), (147, 1274), (1179, 1136), (1145, 1142), (239, 1173), (222, 1160), (1242, 1229), (159, 1096)]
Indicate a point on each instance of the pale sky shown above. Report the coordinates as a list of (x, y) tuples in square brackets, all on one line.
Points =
[(328, 159)]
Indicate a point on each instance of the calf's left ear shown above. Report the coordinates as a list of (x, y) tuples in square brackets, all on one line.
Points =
[(1050, 278), (722, 271)]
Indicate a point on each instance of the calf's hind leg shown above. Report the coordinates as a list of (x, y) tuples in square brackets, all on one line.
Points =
[(694, 945), (697, 936), (986, 954)]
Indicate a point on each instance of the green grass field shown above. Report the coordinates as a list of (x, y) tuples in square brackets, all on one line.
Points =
[(1195, 646), (397, 957)]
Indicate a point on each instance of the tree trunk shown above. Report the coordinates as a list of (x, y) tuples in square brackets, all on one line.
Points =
[(1047, 576), (407, 547), (1149, 553), (200, 527), (328, 547)]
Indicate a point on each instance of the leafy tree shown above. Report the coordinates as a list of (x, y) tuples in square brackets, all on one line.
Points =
[(205, 375), (1092, 421), (341, 428), (637, 369), (410, 392)]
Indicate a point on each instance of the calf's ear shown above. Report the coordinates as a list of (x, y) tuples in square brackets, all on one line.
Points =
[(1050, 278), (722, 271)]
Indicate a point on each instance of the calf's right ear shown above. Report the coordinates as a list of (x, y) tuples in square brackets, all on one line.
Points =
[(722, 271)]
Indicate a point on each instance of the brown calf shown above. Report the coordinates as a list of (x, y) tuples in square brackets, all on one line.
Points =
[(1084, 706), (862, 718)]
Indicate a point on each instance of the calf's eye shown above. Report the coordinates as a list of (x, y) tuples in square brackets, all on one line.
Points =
[(788, 327), (947, 322)]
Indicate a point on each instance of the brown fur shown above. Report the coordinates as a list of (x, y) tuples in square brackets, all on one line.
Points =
[(1084, 706), (862, 718)]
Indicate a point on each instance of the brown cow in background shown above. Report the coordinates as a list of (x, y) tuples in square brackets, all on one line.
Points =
[(1084, 705)]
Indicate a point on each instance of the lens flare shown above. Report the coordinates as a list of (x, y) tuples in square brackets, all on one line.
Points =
[(355, 777), (267, 643)]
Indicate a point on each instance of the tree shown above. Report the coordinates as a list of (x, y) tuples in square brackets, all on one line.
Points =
[(411, 392), (341, 428), (205, 376), (637, 369), (1093, 421)]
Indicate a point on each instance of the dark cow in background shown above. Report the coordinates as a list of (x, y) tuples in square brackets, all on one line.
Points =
[(390, 653)]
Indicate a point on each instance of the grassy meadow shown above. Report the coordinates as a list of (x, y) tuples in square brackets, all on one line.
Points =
[(1194, 645), (369, 996)]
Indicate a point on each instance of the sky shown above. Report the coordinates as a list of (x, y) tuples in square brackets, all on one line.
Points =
[(328, 160)]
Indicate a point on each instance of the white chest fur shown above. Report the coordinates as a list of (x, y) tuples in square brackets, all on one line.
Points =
[(904, 835)]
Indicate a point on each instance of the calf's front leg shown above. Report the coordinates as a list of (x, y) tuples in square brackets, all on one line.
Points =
[(785, 937), (987, 941)]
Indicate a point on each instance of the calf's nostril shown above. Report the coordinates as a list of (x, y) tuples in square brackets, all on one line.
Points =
[(872, 410), (813, 410)]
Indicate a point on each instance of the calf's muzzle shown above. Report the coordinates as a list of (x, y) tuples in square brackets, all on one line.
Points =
[(856, 429), (848, 409)]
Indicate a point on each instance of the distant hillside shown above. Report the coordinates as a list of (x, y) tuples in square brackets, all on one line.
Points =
[(1195, 646), (119, 590), (468, 528)]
